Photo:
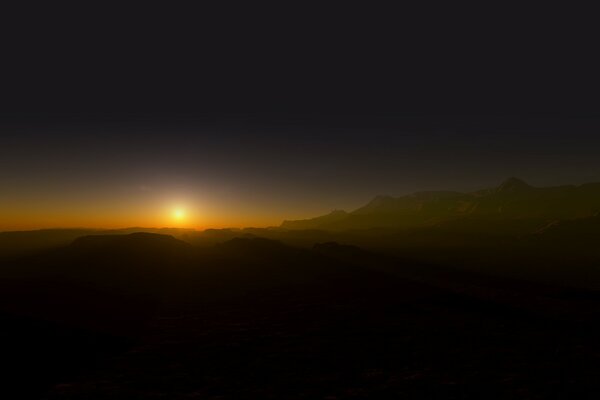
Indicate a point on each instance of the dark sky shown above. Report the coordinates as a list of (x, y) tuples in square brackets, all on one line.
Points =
[(246, 116)]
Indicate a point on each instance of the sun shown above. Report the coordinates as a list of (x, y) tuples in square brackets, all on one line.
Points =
[(179, 214)]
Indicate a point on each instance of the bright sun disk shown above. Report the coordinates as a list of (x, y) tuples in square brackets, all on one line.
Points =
[(178, 214)]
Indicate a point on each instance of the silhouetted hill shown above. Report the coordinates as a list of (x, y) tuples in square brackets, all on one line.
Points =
[(243, 264), (318, 222), (513, 199), (22, 242), (345, 251), (17, 243), (70, 308), (109, 283), (140, 243), (244, 246)]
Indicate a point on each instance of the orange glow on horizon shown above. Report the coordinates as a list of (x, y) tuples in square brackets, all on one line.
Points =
[(176, 218), (144, 213)]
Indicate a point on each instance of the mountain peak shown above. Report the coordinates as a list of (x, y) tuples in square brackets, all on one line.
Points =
[(513, 185)]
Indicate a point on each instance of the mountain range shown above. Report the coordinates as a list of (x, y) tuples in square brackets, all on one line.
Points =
[(512, 200)]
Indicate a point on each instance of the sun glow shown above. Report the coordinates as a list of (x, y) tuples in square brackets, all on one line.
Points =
[(179, 214)]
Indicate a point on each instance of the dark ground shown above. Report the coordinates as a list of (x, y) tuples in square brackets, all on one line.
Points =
[(339, 331)]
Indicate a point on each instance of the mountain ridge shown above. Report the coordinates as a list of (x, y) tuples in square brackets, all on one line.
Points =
[(512, 199)]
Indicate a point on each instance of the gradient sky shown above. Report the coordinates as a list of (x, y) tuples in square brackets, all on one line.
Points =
[(115, 117), (241, 170)]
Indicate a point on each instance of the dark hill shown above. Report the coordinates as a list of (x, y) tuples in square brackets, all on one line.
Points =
[(18, 243), (22, 242), (243, 264), (242, 246), (109, 283), (72, 308), (139, 243)]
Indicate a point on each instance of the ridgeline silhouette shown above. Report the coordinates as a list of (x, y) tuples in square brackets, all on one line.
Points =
[(513, 199)]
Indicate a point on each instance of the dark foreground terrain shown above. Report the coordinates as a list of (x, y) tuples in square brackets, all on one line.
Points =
[(148, 316)]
